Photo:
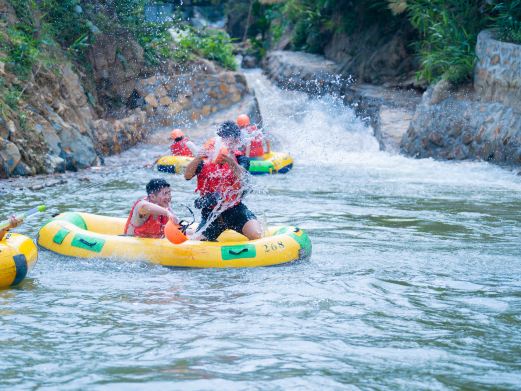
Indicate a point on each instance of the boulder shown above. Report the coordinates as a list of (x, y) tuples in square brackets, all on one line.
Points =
[(54, 164), (9, 157), (23, 169)]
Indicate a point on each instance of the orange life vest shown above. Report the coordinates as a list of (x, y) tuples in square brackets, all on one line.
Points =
[(153, 227), (180, 148), (219, 178), (256, 146)]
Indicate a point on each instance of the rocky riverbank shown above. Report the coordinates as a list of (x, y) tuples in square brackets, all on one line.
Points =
[(478, 121), (65, 119), (482, 120)]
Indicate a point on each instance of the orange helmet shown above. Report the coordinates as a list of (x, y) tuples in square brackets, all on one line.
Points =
[(176, 133), (243, 120)]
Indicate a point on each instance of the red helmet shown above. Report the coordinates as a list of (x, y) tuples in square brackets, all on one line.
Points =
[(176, 133), (243, 120)]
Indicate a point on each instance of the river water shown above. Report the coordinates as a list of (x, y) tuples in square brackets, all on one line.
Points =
[(414, 281)]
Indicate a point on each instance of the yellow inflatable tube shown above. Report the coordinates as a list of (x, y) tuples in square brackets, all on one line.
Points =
[(87, 235), (173, 164), (269, 163), (18, 255)]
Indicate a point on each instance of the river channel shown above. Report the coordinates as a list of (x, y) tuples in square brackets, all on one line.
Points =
[(414, 280)]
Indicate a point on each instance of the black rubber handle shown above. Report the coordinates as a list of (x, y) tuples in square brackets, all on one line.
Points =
[(233, 252), (86, 243)]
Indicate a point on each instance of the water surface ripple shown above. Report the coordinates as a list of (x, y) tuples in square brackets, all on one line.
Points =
[(414, 282)]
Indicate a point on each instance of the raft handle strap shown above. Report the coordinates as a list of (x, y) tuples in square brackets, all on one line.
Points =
[(185, 224), (233, 252), (87, 243)]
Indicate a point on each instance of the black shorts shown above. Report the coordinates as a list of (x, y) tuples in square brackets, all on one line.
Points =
[(233, 218)]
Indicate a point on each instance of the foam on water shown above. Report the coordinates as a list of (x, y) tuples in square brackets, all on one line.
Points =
[(321, 131)]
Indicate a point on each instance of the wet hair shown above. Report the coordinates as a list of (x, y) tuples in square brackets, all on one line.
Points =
[(155, 185), (229, 129)]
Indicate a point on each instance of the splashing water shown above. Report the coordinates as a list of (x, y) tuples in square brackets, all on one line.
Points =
[(316, 129), (413, 282)]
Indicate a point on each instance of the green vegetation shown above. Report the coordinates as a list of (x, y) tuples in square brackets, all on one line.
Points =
[(446, 30), (447, 37), (265, 19), (74, 25), (211, 44), (508, 20)]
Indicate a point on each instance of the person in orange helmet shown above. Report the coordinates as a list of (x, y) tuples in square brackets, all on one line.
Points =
[(181, 144), (255, 145)]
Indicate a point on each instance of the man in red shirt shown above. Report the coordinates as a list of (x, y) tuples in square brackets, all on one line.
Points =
[(221, 184)]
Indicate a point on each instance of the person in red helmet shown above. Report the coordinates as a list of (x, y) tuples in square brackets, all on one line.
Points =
[(149, 215), (181, 144), (221, 183), (255, 146)]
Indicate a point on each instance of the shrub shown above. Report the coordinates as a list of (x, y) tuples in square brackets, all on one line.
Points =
[(507, 20), (311, 21), (211, 44)]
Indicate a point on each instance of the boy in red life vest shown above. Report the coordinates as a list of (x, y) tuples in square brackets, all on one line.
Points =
[(255, 147), (180, 145), (149, 215), (221, 185)]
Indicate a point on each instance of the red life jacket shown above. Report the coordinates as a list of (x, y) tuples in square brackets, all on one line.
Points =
[(219, 178), (153, 227), (256, 146), (179, 148)]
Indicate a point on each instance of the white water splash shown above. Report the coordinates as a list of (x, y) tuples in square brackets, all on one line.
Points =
[(314, 129), (324, 132)]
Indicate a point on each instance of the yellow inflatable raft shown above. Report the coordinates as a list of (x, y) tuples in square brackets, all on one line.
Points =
[(269, 163), (18, 255), (92, 236), (173, 164)]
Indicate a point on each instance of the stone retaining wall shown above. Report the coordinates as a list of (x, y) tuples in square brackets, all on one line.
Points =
[(191, 95), (306, 72), (63, 132), (482, 122), (497, 76)]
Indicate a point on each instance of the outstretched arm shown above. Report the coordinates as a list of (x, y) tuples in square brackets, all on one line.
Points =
[(191, 169), (148, 208), (13, 222), (152, 164)]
